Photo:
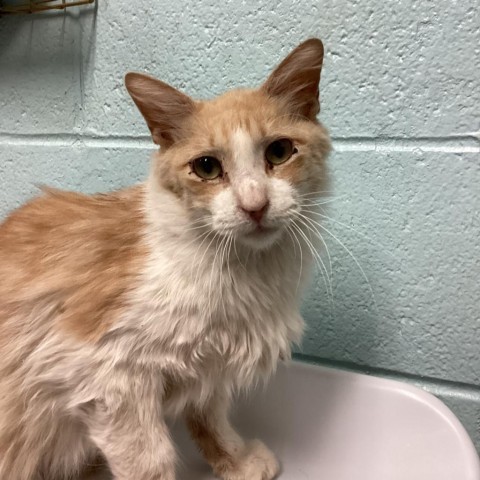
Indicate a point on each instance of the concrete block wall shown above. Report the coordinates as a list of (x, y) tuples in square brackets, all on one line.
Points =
[(401, 97)]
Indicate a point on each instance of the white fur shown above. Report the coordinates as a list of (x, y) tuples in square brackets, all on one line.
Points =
[(249, 183)]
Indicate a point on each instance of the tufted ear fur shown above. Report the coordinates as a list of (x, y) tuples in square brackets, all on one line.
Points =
[(296, 79), (163, 107)]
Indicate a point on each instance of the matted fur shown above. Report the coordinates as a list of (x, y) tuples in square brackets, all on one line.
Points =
[(166, 298)]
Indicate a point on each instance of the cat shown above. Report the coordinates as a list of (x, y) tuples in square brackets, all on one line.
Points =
[(120, 310)]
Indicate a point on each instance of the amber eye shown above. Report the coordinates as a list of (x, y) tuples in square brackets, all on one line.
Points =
[(208, 168), (279, 151)]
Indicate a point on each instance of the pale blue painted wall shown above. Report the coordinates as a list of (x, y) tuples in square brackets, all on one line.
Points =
[(401, 97)]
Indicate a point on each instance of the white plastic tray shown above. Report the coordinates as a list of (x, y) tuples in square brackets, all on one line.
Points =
[(327, 424)]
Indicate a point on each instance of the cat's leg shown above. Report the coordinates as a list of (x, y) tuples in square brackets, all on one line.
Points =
[(134, 440), (39, 443), (229, 455)]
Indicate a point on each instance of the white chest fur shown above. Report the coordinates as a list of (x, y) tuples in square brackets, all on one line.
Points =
[(201, 317), (205, 312)]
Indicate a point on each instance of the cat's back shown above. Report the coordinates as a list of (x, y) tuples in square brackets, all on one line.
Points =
[(59, 212), (72, 247)]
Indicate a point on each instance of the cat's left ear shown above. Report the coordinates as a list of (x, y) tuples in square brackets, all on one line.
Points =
[(164, 108), (295, 81)]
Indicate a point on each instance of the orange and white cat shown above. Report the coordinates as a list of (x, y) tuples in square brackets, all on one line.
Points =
[(118, 310)]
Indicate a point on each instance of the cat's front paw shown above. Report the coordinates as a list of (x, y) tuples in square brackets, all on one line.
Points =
[(257, 462)]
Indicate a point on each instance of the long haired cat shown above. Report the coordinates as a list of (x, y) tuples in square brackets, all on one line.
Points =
[(118, 310)]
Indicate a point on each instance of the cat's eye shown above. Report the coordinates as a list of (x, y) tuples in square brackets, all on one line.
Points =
[(208, 168), (279, 151)]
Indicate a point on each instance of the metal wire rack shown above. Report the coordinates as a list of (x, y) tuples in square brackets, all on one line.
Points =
[(38, 6)]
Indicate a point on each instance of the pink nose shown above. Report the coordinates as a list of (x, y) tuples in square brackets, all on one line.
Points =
[(256, 215)]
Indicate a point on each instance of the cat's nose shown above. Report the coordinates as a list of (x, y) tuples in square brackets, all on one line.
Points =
[(257, 214), (252, 198)]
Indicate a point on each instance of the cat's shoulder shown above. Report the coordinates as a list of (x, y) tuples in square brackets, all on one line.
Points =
[(83, 251)]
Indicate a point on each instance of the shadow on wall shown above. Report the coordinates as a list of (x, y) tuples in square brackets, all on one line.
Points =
[(43, 60)]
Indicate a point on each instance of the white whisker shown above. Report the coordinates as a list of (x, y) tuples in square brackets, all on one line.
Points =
[(230, 242), (213, 273), (293, 242), (319, 203), (330, 219), (301, 257), (203, 256), (318, 260), (320, 236), (236, 253), (355, 260), (317, 192)]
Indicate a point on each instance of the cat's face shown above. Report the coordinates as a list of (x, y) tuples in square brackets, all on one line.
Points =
[(245, 162), (245, 166)]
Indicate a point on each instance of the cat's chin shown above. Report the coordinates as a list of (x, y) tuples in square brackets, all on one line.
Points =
[(261, 239)]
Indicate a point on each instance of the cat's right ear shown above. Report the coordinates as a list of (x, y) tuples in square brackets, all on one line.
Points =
[(163, 107)]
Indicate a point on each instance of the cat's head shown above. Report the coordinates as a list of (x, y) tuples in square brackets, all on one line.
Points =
[(245, 162)]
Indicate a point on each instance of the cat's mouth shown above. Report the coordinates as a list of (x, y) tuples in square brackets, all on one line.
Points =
[(261, 236), (260, 231)]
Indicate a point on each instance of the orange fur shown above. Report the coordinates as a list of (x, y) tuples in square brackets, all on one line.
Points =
[(202, 431), (83, 252)]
